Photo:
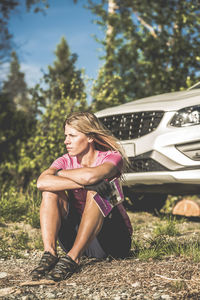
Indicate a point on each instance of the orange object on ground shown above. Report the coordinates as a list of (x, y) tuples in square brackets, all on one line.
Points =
[(187, 207)]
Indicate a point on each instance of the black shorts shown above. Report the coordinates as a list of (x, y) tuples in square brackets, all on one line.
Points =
[(114, 238)]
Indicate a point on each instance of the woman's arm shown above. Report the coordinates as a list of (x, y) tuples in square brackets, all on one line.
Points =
[(76, 178), (48, 181), (90, 175)]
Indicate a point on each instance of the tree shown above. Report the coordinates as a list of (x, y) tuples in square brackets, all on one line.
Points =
[(47, 143), (15, 129), (62, 73), (154, 48), (6, 7), (15, 86), (104, 91)]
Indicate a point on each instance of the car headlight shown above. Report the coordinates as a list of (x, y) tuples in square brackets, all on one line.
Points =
[(186, 117)]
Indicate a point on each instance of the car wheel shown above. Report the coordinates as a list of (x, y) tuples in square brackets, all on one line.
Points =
[(146, 202)]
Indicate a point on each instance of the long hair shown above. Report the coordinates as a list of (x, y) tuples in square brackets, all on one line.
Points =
[(90, 125)]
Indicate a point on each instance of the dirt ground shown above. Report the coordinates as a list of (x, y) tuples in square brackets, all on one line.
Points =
[(170, 278)]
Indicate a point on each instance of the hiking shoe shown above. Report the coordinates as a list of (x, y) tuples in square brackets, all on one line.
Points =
[(47, 263), (65, 267)]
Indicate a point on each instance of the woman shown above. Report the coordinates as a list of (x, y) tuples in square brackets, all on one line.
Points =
[(68, 211)]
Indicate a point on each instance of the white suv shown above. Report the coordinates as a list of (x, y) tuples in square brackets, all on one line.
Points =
[(161, 137)]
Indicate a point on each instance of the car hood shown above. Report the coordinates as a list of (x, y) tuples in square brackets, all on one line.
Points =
[(165, 102)]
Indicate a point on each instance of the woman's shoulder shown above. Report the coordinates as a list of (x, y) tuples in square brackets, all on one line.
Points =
[(63, 162), (110, 155), (71, 160)]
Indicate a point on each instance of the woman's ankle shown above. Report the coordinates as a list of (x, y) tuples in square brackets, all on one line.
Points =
[(52, 251), (74, 257)]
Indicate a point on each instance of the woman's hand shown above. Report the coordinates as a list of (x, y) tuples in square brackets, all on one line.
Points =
[(103, 188)]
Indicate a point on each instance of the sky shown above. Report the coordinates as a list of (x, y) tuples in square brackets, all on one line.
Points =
[(36, 36)]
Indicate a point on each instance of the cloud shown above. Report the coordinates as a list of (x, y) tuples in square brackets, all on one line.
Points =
[(33, 73)]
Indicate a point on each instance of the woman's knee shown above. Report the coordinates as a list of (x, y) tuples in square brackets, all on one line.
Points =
[(53, 199), (57, 196), (49, 196), (49, 201)]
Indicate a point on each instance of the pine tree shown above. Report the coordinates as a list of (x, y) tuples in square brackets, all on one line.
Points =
[(61, 73), (47, 143), (15, 86)]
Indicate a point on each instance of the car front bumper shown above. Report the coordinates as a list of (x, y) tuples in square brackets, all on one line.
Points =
[(168, 156), (156, 178)]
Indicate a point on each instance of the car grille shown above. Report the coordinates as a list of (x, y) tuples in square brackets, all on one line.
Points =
[(132, 125), (144, 165)]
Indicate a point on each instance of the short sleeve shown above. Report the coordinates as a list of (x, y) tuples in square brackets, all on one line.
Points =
[(62, 162), (115, 158)]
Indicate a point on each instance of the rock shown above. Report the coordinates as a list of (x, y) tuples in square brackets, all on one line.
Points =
[(166, 297), (3, 275), (156, 296), (7, 291), (50, 295), (25, 297), (136, 284), (96, 297), (117, 298)]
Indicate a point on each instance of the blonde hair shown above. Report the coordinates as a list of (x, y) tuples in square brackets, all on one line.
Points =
[(90, 125)]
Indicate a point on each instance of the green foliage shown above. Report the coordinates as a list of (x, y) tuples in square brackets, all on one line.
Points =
[(63, 74), (16, 242), (17, 121), (15, 86), (15, 128), (162, 246), (6, 251), (40, 141), (13, 205), (152, 46), (21, 241), (16, 205), (164, 240), (48, 142), (169, 227), (170, 203), (105, 93)]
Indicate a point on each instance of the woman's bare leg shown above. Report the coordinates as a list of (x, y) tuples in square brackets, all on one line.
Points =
[(52, 207), (91, 223)]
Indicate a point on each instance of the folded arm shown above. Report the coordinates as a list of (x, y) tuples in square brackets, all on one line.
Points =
[(48, 181), (76, 178)]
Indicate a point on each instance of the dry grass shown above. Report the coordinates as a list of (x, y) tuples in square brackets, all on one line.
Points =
[(174, 276)]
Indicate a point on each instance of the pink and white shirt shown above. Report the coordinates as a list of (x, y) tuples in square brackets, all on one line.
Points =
[(67, 162)]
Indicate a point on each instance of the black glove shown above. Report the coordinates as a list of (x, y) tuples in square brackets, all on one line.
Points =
[(103, 188)]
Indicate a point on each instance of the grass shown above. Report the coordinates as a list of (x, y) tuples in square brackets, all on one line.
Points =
[(164, 241), (178, 285), (160, 248), (167, 227), (19, 207), (158, 236), (16, 205), (14, 241), (11, 244)]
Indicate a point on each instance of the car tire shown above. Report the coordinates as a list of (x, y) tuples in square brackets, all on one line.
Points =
[(151, 202)]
